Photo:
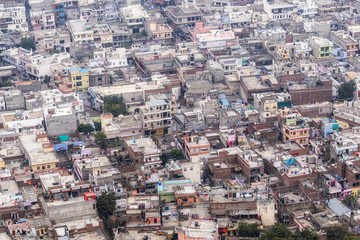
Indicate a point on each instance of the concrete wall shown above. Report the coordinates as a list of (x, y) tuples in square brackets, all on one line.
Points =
[(69, 210), (15, 102), (61, 125)]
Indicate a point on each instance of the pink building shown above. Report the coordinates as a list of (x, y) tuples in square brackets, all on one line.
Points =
[(198, 29)]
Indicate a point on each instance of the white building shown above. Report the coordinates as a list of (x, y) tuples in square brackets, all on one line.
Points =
[(216, 39), (278, 9), (23, 121), (15, 15)]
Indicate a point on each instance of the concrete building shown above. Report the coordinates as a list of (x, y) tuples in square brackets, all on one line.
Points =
[(39, 152), (134, 16), (81, 31), (278, 9), (322, 48), (26, 121), (60, 121), (293, 127), (186, 14), (124, 127), (156, 117), (79, 79), (143, 151)]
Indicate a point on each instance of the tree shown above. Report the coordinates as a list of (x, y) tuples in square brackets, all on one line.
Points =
[(177, 154), (337, 232), (100, 138), (85, 128), (115, 105), (163, 158), (97, 126), (47, 79), (106, 204), (5, 84), (350, 201), (277, 232), (306, 234), (28, 43), (347, 90), (248, 229)]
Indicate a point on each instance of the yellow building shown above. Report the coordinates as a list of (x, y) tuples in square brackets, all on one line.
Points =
[(79, 79), (39, 151)]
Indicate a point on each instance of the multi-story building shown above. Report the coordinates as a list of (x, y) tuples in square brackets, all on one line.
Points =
[(81, 31), (60, 121), (123, 127), (134, 16), (143, 151), (156, 117), (293, 127), (13, 16), (42, 15), (322, 48), (79, 78), (278, 9), (196, 146), (186, 14), (160, 32), (62, 8), (216, 40), (347, 42), (23, 121), (39, 151)]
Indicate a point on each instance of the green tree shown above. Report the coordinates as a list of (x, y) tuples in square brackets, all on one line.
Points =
[(115, 105), (97, 126), (347, 90), (177, 154), (277, 232), (47, 79), (106, 204), (306, 234), (100, 139), (85, 128), (28, 43), (248, 229), (5, 84), (163, 158), (350, 201), (337, 232)]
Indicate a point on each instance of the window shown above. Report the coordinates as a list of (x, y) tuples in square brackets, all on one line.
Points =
[(43, 167), (79, 84), (78, 77), (48, 166), (38, 168)]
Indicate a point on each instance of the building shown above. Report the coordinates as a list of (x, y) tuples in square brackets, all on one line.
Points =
[(79, 79), (60, 121), (25, 121), (156, 117), (143, 151), (123, 127), (196, 146), (293, 127), (322, 48), (39, 151), (81, 31), (278, 9), (186, 14), (134, 16), (199, 230)]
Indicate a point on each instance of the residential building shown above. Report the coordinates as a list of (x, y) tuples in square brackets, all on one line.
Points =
[(79, 79), (39, 151), (293, 127), (156, 117), (186, 14), (143, 152), (322, 48)]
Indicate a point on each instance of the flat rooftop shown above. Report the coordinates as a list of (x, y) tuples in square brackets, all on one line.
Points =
[(35, 150)]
